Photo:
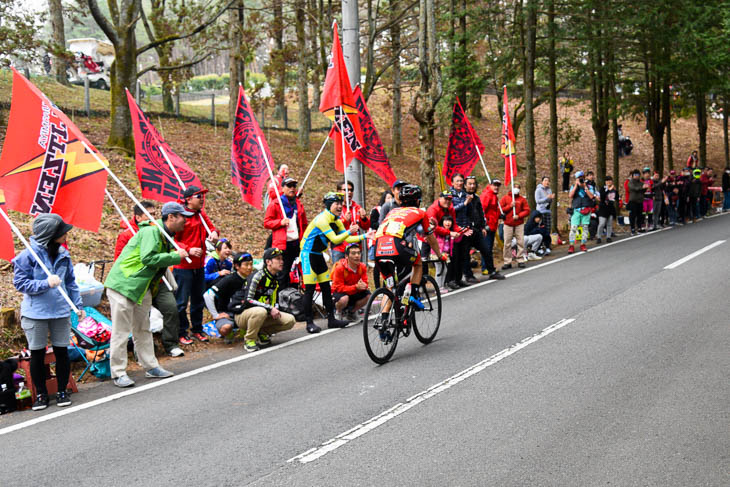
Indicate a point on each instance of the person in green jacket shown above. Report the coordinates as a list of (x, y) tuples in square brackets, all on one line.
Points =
[(130, 286)]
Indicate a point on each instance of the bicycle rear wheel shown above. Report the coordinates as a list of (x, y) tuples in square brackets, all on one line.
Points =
[(427, 321), (381, 336)]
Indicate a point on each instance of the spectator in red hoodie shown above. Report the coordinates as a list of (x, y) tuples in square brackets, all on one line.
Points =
[(514, 226), (443, 206), (356, 214), (490, 204), (707, 179), (286, 229), (190, 276), (350, 283), (129, 232)]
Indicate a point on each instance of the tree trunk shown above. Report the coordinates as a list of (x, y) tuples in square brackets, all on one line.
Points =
[(314, 55), (670, 155), (701, 125), (396, 130), (59, 40), (725, 115), (236, 67), (530, 54), (463, 55), (280, 64), (302, 85), (123, 75), (553, 114), (475, 104)]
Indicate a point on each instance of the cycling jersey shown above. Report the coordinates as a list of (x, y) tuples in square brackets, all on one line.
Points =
[(395, 241), (325, 228), (402, 221)]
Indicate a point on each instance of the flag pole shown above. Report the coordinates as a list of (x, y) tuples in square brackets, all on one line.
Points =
[(301, 186), (20, 236), (271, 175), (344, 156), (182, 185), (129, 225), (511, 177), (131, 195)]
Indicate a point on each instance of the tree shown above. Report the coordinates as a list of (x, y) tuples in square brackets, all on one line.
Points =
[(397, 115), (302, 78), (236, 60), (59, 41), (553, 135), (529, 91)]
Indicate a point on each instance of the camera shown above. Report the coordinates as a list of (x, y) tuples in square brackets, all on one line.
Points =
[(581, 180)]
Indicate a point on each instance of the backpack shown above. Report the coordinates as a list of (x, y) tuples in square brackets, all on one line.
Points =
[(291, 301), (7, 386)]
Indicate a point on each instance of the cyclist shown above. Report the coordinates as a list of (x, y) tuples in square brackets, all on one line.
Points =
[(325, 228), (396, 248)]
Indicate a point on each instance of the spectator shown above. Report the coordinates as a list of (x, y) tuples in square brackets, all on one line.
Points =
[(635, 201), (463, 209), (566, 167), (438, 209), (355, 214), (659, 186), (130, 285), (533, 235), (287, 228), (582, 204), (218, 297), (648, 202), (275, 184), (695, 193), (190, 276), (490, 206), (350, 283), (543, 199), (218, 263), (44, 311), (444, 271), (683, 185), (671, 190), (128, 232), (515, 210), (325, 228), (592, 186), (395, 203), (255, 306), (692, 160), (707, 179), (607, 210), (726, 189)]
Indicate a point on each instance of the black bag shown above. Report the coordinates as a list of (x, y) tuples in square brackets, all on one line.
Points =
[(8, 402), (291, 301)]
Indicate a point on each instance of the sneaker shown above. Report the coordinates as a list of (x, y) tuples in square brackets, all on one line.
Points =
[(201, 337), (41, 402), (462, 283), (633, 232), (176, 352), (571, 249), (452, 285), (264, 339), (521, 265), (548, 251), (63, 398), (416, 302), (507, 266), (312, 328), (444, 290), (485, 272), (123, 381), (533, 256), (598, 240), (158, 373), (496, 276), (333, 322), (608, 240), (472, 280), (251, 346), (185, 340), (338, 315), (583, 248)]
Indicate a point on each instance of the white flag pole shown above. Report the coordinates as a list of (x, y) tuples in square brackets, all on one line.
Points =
[(129, 225), (271, 174), (131, 195), (344, 156), (301, 186), (20, 236), (182, 185), (511, 178)]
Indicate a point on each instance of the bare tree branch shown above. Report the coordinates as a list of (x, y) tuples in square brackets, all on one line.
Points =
[(174, 67), (102, 21)]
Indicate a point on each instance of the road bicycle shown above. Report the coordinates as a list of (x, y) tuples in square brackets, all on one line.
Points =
[(382, 329)]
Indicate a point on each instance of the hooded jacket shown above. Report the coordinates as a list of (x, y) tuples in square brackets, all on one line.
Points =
[(437, 213), (532, 228), (522, 210), (272, 221), (635, 191), (213, 266), (490, 206), (344, 279), (194, 235), (126, 235)]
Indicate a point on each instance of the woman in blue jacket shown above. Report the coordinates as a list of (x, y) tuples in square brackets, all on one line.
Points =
[(44, 310)]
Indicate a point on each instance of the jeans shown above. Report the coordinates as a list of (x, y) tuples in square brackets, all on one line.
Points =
[(487, 257), (672, 210), (190, 286), (290, 255), (607, 223), (657, 212), (726, 201), (694, 207)]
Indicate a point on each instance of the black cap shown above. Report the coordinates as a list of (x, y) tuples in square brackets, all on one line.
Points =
[(398, 182), (193, 190), (272, 252), (239, 257), (289, 181)]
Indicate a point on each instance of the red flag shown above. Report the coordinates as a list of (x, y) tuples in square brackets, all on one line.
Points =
[(157, 180), (508, 143), (248, 165), (7, 246), (372, 154), (461, 154), (44, 166)]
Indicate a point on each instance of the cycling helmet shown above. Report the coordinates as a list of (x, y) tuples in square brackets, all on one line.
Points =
[(697, 173), (410, 195), (332, 197)]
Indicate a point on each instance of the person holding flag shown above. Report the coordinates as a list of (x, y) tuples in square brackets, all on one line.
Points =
[(44, 310), (508, 148)]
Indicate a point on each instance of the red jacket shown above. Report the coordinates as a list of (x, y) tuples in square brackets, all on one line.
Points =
[(272, 221), (437, 213), (125, 236), (273, 186), (347, 218), (706, 181), (490, 204), (344, 279), (521, 208), (194, 235)]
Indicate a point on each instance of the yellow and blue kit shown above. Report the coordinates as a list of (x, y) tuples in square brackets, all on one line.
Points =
[(324, 228)]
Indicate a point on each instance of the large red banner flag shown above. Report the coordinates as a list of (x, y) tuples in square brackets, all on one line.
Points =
[(338, 104), (248, 163), (7, 246), (156, 178), (461, 153), (508, 143), (44, 167)]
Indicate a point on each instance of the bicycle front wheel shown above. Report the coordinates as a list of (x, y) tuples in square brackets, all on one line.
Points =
[(380, 335), (427, 321)]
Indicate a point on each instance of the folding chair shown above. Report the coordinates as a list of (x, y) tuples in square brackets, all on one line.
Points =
[(87, 343)]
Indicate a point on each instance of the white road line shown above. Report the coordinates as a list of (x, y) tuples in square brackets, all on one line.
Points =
[(691, 256), (400, 408)]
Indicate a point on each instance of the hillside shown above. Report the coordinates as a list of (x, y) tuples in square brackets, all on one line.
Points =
[(207, 151)]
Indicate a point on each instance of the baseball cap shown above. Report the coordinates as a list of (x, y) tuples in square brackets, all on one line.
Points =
[(271, 253), (496, 182), (398, 182), (288, 181), (446, 194), (171, 207), (239, 257), (193, 190), (579, 174)]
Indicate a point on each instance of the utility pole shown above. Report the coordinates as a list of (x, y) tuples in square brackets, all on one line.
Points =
[(351, 52)]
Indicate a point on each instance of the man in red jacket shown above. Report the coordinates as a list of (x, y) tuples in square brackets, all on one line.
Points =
[(356, 214), (350, 283), (190, 276), (286, 228), (514, 226), (490, 204)]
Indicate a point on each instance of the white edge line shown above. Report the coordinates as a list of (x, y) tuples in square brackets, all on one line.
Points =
[(694, 254), (369, 425)]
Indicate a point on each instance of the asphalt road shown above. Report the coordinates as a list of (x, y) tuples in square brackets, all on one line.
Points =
[(602, 368)]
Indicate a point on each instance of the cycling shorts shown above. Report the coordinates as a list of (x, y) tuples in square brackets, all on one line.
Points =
[(395, 254), (314, 268)]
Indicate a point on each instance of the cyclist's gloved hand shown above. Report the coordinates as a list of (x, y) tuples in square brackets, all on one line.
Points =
[(444, 258)]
